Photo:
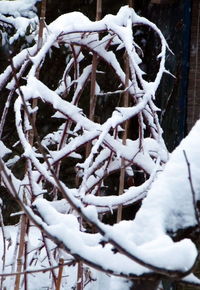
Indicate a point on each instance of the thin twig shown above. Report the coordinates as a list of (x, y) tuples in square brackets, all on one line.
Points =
[(192, 188), (43, 270), (49, 257), (4, 246)]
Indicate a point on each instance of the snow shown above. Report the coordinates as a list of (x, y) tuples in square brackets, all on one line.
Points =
[(192, 279), (52, 217), (4, 150), (174, 205), (66, 22), (17, 7)]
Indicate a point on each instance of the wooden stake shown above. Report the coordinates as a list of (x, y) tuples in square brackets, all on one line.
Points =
[(21, 250), (126, 101), (131, 3), (59, 279), (99, 10), (39, 45), (23, 220), (122, 171), (93, 97), (80, 283)]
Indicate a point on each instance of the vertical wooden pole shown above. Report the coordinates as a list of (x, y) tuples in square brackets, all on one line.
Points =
[(93, 98), (126, 103), (59, 279), (122, 171), (99, 10), (42, 23), (131, 3), (23, 220), (21, 250), (94, 68), (39, 45)]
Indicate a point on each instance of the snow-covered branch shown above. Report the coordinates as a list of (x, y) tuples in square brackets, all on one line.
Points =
[(71, 213)]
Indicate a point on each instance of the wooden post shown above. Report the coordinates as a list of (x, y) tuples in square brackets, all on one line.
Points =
[(122, 171), (93, 98), (59, 279), (20, 251), (23, 220), (126, 102), (131, 3), (39, 45)]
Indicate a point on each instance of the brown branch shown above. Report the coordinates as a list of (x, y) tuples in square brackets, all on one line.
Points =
[(49, 258)]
